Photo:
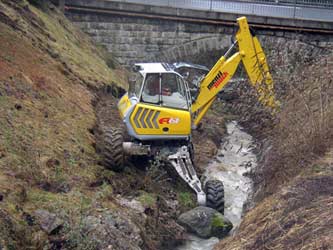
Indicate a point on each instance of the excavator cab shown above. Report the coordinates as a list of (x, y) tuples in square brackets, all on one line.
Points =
[(165, 89), (158, 104)]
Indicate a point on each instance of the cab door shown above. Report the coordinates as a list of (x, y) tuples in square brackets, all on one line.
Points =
[(163, 109)]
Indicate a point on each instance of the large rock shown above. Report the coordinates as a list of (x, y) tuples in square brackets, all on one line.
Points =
[(205, 222), (112, 231), (49, 222)]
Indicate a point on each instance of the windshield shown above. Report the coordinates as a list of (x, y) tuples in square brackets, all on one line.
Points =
[(151, 90), (173, 92), (165, 89)]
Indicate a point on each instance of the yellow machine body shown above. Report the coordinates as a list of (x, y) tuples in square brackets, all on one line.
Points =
[(152, 122), (123, 105), (156, 120)]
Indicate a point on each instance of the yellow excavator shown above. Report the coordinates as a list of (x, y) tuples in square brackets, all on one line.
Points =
[(166, 101)]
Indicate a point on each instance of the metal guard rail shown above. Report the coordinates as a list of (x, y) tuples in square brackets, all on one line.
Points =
[(314, 10)]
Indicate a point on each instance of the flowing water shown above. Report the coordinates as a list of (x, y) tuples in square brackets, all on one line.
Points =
[(235, 159)]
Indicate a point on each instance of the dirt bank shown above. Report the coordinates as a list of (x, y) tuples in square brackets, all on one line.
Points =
[(48, 70), (294, 178)]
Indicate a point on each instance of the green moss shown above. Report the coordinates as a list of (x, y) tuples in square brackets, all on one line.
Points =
[(220, 227), (73, 203), (218, 221), (104, 192), (186, 199), (105, 174), (147, 199)]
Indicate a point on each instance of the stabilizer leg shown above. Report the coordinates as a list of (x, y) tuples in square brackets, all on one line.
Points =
[(182, 163)]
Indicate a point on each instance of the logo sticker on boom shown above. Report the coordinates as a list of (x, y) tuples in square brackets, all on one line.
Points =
[(219, 78), (168, 120)]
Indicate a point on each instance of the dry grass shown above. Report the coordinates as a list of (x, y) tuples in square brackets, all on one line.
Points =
[(48, 70), (294, 180), (302, 131), (297, 217)]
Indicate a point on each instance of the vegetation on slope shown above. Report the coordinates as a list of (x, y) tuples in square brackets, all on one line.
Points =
[(47, 71), (294, 181)]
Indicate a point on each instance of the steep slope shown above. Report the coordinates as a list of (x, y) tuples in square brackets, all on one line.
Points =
[(48, 71), (294, 183)]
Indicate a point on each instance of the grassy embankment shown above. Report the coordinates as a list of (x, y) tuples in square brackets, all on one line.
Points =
[(49, 72)]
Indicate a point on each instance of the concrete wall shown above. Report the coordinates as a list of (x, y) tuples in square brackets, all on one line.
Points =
[(135, 38), (139, 40)]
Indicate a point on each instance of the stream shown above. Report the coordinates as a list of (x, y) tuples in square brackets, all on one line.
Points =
[(235, 158)]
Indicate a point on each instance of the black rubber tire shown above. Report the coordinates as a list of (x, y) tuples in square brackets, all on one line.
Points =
[(214, 190), (113, 152), (191, 151)]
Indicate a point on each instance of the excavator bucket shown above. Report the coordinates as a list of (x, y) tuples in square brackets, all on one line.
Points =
[(254, 61)]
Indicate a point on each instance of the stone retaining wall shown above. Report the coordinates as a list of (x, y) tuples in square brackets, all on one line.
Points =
[(138, 39)]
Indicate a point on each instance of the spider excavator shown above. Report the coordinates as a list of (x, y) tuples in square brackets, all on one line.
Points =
[(164, 103)]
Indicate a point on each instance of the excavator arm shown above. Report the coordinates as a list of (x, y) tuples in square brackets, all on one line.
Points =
[(252, 56)]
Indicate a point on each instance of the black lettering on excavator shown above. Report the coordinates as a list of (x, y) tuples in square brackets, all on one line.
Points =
[(218, 79)]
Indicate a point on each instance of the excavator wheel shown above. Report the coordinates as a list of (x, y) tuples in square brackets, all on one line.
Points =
[(215, 195), (113, 149)]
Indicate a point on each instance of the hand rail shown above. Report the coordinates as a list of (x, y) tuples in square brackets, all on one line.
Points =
[(316, 10)]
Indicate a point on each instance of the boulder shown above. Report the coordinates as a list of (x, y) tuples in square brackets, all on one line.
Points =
[(205, 222), (49, 222)]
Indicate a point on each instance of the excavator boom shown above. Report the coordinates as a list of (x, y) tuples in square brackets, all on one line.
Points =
[(252, 56)]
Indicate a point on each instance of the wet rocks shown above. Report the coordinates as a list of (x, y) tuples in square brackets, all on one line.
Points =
[(112, 231), (205, 222), (49, 222)]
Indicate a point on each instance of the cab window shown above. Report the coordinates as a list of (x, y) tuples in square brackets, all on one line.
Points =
[(166, 89), (152, 89), (173, 93)]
